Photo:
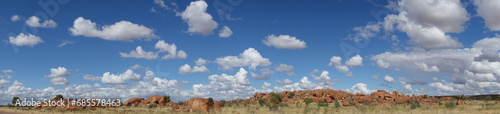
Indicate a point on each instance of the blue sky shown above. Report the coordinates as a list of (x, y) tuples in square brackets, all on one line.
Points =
[(228, 50)]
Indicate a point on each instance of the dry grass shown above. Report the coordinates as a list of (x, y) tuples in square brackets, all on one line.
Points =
[(474, 107)]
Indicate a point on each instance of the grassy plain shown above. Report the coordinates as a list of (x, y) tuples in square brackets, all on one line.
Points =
[(470, 107)]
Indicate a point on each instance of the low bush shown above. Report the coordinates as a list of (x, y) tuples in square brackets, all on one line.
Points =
[(308, 101), (415, 104), (337, 104), (450, 105), (151, 106), (322, 104)]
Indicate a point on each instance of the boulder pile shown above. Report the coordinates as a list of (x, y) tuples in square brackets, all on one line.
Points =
[(377, 98), (202, 104), (155, 99)]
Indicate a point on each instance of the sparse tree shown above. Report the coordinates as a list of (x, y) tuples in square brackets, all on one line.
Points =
[(308, 101), (59, 97), (14, 100), (167, 98), (180, 103), (426, 96)]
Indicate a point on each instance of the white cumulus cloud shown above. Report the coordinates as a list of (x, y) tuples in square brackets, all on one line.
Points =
[(228, 86), (201, 62), (285, 68), (360, 88), (34, 21), (140, 54), (171, 49), (423, 21), (120, 31), (324, 80), (112, 79), (264, 72), (488, 10), (303, 84), (92, 78), (58, 72), (162, 47), (284, 42), (284, 82), (59, 81), (15, 18), (25, 40), (389, 79), (336, 61), (355, 61), (249, 57), (186, 69), (426, 68), (198, 19), (490, 43), (225, 32)]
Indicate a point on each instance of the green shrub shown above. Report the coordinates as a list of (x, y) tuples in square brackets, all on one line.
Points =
[(351, 100), (283, 105), (262, 102), (14, 100), (415, 105), (151, 106), (223, 102), (59, 96), (308, 101), (490, 104), (450, 105), (180, 103), (167, 98), (275, 100), (210, 102), (322, 104), (337, 104)]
